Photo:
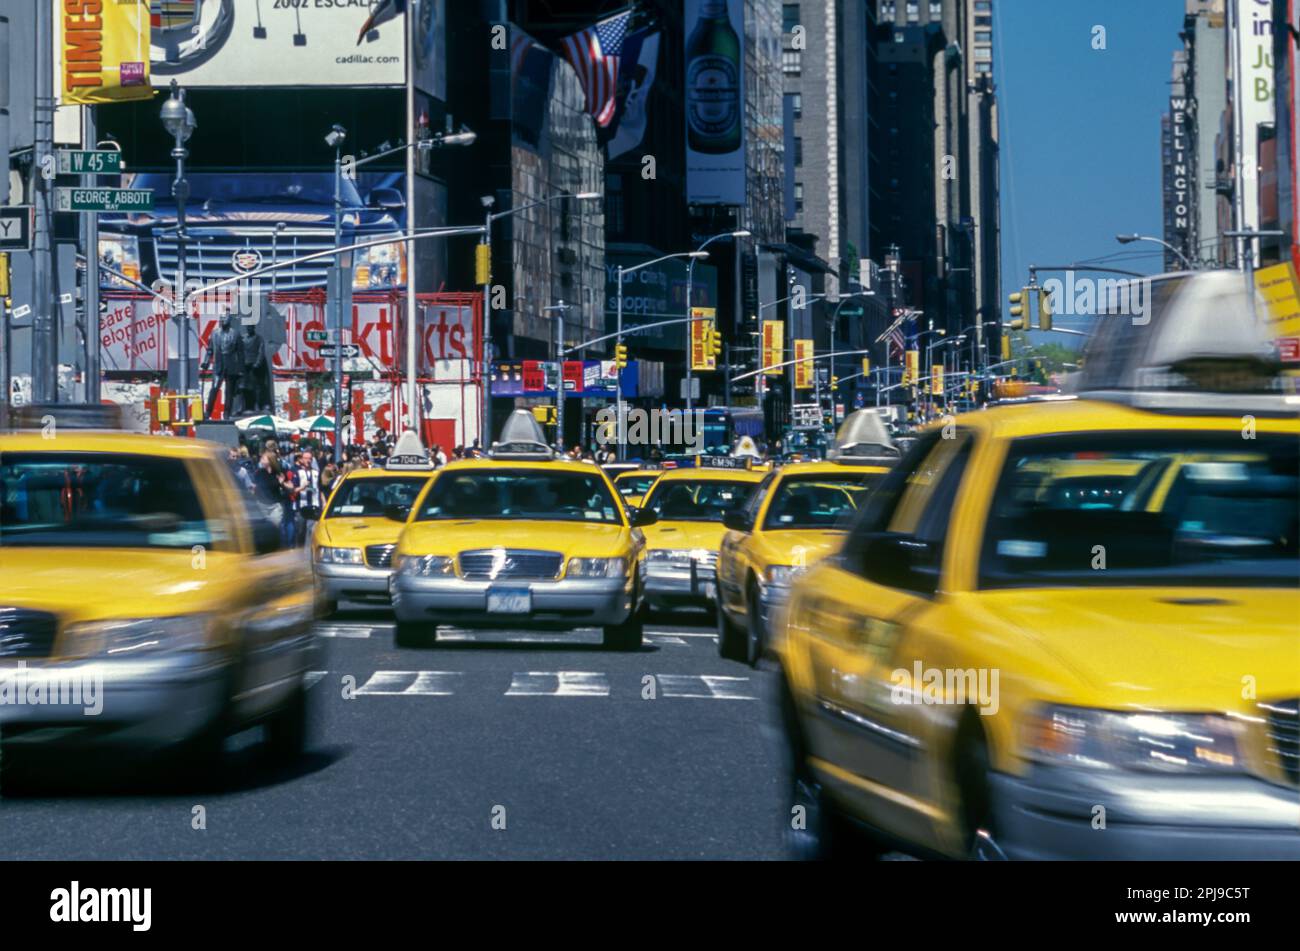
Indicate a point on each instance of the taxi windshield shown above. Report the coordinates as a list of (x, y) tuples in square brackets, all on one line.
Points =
[(1178, 509), (371, 498), (100, 500), (636, 485), (697, 501), (818, 501), (553, 495)]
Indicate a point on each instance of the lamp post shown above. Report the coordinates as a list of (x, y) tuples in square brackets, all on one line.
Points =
[(559, 308), (336, 137), (690, 311), (178, 119), (618, 375), (1130, 238)]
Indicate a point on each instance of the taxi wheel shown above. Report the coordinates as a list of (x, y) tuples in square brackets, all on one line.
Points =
[(729, 636), (815, 831), (414, 634), (756, 639), (626, 636), (329, 608), (979, 834)]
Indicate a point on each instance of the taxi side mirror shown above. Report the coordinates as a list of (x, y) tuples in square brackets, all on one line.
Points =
[(897, 560), (266, 536), (737, 520), (641, 517)]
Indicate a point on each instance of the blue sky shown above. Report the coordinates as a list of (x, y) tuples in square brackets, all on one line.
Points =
[(1081, 128)]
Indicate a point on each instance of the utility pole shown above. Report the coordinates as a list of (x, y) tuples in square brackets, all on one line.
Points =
[(45, 347), (6, 358), (559, 308), (485, 394), (90, 290)]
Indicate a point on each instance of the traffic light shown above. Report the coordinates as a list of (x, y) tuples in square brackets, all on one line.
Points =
[(544, 415), (1018, 300), (835, 383), (1044, 309), (714, 341), (620, 356), (1006, 347), (4, 275), (866, 366), (482, 263)]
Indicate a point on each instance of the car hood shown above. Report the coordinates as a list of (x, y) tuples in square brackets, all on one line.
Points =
[(682, 534), (1177, 648), (357, 531), (785, 547), (573, 539)]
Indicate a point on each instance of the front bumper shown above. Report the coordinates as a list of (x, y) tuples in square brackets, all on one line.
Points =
[(683, 582), (353, 583), (142, 703), (1050, 815), (556, 605)]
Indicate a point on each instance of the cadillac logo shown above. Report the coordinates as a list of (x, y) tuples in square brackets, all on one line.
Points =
[(246, 260)]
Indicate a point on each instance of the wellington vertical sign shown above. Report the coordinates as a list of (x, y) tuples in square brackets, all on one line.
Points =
[(715, 102)]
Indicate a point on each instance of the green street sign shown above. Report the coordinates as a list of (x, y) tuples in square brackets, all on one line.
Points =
[(89, 163), (316, 336), (103, 199)]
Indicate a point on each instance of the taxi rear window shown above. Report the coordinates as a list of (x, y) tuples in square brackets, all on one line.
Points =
[(705, 500), (554, 495), (818, 501), (371, 498), (91, 499), (1151, 508)]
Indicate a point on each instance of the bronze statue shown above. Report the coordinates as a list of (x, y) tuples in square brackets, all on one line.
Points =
[(226, 357)]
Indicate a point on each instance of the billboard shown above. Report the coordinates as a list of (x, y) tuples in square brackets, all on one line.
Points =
[(702, 356), (715, 102), (238, 43), (773, 347), (1252, 34), (102, 51), (803, 370)]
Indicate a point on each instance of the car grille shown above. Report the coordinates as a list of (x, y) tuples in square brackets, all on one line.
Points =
[(380, 556), (1284, 735), (489, 564), (710, 560), (26, 633)]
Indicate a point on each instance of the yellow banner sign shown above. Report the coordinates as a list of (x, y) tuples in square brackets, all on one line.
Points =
[(773, 346), (911, 360), (803, 370), (702, 357), (936, 380), (1277, 285), (102, 51)]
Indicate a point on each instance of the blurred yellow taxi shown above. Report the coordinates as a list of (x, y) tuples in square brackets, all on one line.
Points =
[(682, 545), (634, 484), (1067, 630), (354, 541), (521, 539), (144, 605)]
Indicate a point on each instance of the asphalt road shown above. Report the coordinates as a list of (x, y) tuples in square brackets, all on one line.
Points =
[(579, 752)]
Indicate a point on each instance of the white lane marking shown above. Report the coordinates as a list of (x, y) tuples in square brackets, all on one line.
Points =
[(704, 686), (344, 630), (410, 683), (664, 640), (712, 637), (458, 635), (314, 677), (559, 683)]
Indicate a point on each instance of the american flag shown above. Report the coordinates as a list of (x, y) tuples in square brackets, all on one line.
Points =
[(897, 342), (594, 53)]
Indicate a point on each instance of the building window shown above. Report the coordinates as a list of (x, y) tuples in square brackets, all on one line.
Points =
[(983, 53), (798, 197), (983, 36), (796, 103), (983, 67), (790, 17), (936, 10), (888, 10), (791, 62), (983, 6), (798, 150), (913, 11)]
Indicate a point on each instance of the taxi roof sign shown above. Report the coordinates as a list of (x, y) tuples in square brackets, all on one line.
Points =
[(863, 436), (521, 438), (745, 446), (409, 453)]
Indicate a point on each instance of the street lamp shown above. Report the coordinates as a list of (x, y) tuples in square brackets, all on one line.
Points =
[(178, 119), (335, 138), (618, 372), (690, 311), (1130, 238)]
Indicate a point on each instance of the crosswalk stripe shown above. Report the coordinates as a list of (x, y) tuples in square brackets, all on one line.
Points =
[(409, 683), (559, 683), (314, 677), (704, 686)]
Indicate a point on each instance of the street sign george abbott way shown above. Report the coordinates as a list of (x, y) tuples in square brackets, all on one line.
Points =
[(16, 227), (103, 199)]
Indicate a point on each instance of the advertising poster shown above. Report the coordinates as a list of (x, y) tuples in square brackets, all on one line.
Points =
[(773, 346), (911, 361), (936, 380), (803, 370), (702, 357), (270, 43), (103, 51), (715, 102)]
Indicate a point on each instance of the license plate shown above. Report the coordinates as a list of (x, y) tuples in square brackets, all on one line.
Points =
[(510, 601)]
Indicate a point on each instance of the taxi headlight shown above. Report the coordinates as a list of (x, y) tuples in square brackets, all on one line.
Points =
[(1150, 742), (132, 636), (338, 556), (427, 565), (782, 576), (597, 567)]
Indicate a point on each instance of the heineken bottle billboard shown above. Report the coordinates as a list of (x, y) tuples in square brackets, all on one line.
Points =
[(715, 102)]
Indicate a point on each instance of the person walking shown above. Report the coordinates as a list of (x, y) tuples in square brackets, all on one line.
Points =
[(306, 502)]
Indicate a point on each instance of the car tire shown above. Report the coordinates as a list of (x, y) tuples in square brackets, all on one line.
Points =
[(755, 635), (627, 636), (730, 638), (414, 634), (201, 759), (286, 729), (979, 828), (329, 608)]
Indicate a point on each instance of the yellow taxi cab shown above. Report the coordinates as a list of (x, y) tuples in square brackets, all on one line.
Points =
[(145, 606), (354, 541), (1068, 630), (521, 539), (633, 485), (682, 545), (795, 515)]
